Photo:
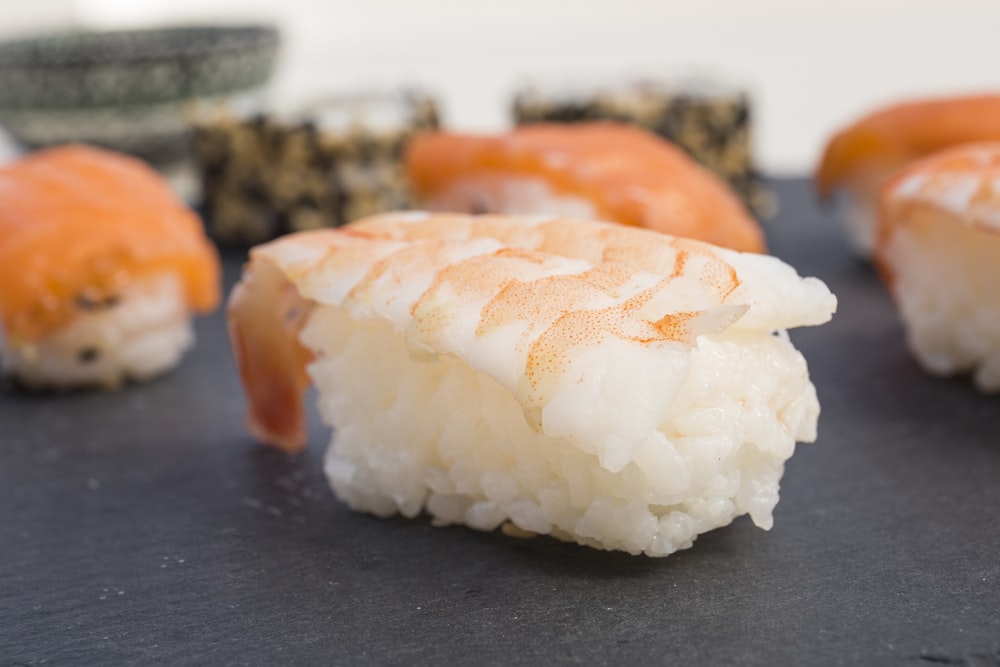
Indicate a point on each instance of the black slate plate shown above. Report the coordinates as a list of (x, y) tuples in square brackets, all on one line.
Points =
[(144, 527)]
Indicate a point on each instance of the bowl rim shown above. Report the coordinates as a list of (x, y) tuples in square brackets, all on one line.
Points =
[(86, 48)]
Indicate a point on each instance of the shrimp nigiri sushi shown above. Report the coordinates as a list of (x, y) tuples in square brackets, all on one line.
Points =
[(604, 171), (938, 249), (100, 268), (603, 384), (860, 158)]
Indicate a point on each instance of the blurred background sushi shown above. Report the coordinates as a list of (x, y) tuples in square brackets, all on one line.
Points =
[(748, 90)]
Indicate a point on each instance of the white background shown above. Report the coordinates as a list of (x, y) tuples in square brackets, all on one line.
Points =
[(810, 65)]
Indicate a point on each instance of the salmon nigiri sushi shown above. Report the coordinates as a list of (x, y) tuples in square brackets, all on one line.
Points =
[(602, 171), (603, 384), (860, 158), (100, 268), (938, 248)]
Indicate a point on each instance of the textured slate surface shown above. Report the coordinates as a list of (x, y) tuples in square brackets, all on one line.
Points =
[(143, 527)]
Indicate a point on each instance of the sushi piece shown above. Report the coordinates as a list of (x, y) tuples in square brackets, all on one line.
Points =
[(859, 159), (603, 384), (604, 171), (324, 165), (710, 120), (938, 248), (100, 268)]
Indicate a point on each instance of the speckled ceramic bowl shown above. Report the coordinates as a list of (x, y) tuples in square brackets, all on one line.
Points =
[(126, 90)]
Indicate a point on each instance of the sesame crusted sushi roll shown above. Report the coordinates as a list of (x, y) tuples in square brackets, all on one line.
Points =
[(603, 384), (606, 171), (860, 158), (101, 267), (323, 165), (939, 251)]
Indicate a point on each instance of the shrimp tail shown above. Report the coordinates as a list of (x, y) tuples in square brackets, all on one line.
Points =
[(265, 315)]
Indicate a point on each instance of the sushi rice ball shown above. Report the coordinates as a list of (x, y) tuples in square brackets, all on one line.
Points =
[(938, 249)]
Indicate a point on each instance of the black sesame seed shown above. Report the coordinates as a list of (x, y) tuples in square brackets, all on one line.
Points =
[(88, 303), (478, 207), (88, 355)]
